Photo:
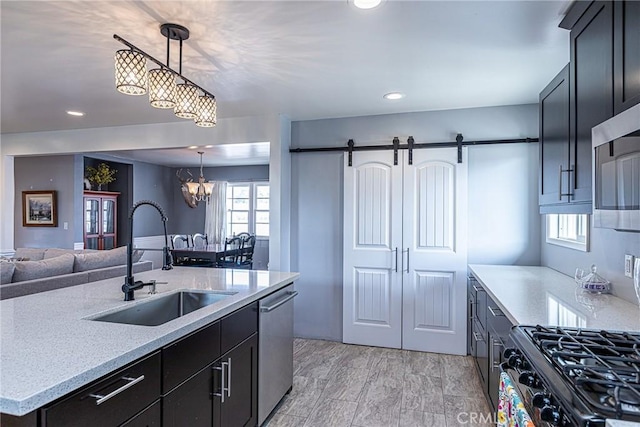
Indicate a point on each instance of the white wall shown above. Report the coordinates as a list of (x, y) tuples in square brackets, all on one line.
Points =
[(504, 226), (608, 248)]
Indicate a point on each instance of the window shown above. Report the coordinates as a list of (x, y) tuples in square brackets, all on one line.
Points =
[(568, 230), (248, 208)]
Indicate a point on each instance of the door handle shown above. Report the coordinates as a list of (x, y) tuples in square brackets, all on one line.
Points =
[(560, 183), (291, 295), (223, 380), (494, 343), (229, 377), (396, 257), (407, 260)]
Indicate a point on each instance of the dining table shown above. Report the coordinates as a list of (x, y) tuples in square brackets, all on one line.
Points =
[(200, 255)]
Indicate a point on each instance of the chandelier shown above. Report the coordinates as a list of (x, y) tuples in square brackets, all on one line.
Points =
[(201, 190), (187, 99)]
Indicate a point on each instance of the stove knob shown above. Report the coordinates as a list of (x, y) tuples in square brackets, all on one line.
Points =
[(550, 415), (508, 353), (514, 361), (540, 400), (529, 379)]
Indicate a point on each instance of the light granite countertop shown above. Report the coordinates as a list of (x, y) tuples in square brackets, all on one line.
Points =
[(542, 296), (49, 347)]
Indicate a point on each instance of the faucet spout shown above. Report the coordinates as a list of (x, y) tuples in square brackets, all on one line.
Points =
[(130, 283)]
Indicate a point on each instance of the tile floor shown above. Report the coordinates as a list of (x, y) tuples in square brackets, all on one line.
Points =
[(337, 385)]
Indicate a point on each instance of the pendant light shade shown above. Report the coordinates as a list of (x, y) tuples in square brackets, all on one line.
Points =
[(206, 117), (131, 72), (186, 101), (162, 88)]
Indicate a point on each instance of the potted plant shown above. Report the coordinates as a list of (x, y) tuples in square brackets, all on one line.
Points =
[(102, 175)]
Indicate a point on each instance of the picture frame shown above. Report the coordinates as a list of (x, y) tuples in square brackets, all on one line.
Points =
[(39, 209)]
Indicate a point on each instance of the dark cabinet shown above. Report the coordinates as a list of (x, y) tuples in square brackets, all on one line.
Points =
[(591, 92), (191, 404), (100, 219), (240, 404), (626, 64), (489, 335), (112, 400), (554, 140), (150, 417)]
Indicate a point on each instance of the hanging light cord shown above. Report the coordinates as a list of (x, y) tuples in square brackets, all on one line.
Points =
[(151, 58)]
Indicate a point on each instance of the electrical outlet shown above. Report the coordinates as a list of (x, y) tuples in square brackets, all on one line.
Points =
[(628, 265)]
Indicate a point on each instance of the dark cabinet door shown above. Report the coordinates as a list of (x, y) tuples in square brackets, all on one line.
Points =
[(626, 65), (191, 403), (591, 91), (150, 417), (554, 140), (240, 406)]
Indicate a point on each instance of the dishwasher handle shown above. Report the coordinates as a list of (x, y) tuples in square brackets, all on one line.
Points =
[(290, 295)]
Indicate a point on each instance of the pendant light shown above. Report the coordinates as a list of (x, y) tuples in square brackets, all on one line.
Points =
[(131, 72), (200, 190), (206, 112)]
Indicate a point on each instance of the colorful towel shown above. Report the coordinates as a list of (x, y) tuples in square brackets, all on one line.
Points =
[(511, 410)]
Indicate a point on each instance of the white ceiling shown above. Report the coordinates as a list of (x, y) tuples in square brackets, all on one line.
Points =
[(307, 59)]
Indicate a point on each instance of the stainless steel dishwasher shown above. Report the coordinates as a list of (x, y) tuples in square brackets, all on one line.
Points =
[(275, 350)]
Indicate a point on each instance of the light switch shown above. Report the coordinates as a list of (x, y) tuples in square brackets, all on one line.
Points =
[(65, 225), (628, 265)]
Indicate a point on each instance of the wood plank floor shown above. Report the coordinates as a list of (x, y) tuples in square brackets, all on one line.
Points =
[(338, 385)]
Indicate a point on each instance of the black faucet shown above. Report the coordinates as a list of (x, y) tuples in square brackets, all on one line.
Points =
[(130, 284)]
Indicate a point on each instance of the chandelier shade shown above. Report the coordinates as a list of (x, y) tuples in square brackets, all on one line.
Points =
[(206, 117), (162, 88), (131, 72), (186, 101)]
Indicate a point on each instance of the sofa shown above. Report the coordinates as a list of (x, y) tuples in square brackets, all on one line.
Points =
[(34, 270)]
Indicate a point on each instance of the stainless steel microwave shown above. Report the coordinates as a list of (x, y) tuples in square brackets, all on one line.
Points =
[(616, 172)]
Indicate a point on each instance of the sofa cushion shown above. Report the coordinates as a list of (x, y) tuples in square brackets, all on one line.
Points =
[(29, 270), (29, 287), (31, 254), (6, 272), (54, 252), (100, 259)]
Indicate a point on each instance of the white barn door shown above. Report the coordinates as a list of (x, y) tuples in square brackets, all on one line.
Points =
[(405, 250), (372, 289), (435, 243)]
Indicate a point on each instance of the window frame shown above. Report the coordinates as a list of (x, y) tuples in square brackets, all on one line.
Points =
[(553, 238), (251, 225)]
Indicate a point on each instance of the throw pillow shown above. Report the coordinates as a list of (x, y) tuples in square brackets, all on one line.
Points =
[(137, 255), (101, 259), (6, 272), (32, 254), (30, 270)]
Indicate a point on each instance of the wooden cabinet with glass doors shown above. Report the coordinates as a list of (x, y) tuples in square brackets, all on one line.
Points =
[(100, 219)]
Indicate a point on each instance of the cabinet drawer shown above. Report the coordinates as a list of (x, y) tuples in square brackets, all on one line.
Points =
[(185, 357), (150, 417), (112, 400), (238, 326)]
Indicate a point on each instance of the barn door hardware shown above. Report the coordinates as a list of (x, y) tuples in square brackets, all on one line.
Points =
[(410, 142), (396, 145)]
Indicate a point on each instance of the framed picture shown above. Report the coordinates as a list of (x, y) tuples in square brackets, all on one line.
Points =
[(39, 209)]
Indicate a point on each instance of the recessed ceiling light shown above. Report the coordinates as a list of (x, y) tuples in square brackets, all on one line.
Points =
[(192, 147), (394, 95), (208, 146), (75, 113), (366, 4)]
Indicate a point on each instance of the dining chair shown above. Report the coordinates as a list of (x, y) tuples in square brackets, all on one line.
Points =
[(180, 241), (199, 240), (245, 259), (229, 258)]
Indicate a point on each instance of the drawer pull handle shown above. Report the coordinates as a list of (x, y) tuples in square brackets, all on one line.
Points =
[(475, 337), (131, 382), (223, 379), (496, 312), (477, 289)]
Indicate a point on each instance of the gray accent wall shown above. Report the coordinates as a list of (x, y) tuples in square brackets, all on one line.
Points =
[(152, 182), (49, 173), (504, 225), (608, 248)]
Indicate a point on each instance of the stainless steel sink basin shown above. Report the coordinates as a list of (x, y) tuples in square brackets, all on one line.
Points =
[(164, 308)]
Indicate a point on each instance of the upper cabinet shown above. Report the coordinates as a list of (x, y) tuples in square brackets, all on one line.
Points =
[(603, 79), (626, 65)]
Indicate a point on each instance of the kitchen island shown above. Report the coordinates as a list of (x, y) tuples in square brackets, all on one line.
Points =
[(50, 347)]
